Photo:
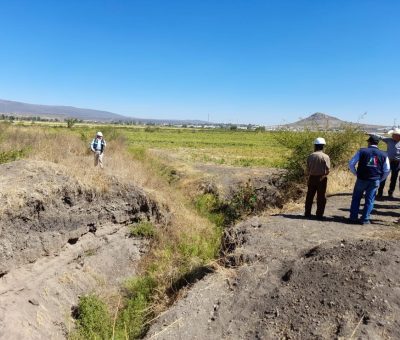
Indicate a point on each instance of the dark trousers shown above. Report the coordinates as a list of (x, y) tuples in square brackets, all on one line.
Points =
[(394, 168), (316, 185)]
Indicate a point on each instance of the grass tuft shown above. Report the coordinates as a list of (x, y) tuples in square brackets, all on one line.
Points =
[(93, 320), (143, 229)]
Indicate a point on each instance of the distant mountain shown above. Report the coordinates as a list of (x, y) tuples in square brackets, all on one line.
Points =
[(320, 120), (53, 111), (62, 112)]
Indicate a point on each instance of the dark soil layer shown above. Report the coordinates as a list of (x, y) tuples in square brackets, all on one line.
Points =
[(43, 208), (335, 289)]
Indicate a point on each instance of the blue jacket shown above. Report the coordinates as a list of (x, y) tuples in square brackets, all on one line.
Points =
[(373, 164), (95, 142)]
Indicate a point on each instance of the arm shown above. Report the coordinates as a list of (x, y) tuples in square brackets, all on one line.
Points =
[(353, 162), (383, 139), (307, 172), (91, 145), (328, 165), (376, 135), (386, 169)]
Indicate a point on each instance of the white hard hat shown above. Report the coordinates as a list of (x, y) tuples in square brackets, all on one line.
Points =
[(319, 141), (99, 134)]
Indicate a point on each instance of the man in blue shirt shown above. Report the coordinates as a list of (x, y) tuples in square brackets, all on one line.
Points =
[(373, 168)]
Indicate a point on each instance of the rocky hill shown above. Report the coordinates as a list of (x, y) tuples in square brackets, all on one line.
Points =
[(320, 120)]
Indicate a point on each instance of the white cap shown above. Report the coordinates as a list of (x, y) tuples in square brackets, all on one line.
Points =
[(319, 141), (395, 131), (99, 134)]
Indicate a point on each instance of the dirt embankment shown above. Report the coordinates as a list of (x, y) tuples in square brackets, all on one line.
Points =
[(43, 208), (60, 239), (295, 278)]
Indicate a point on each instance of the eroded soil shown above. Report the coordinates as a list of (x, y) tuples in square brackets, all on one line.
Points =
[(59, 240), (299, 279)]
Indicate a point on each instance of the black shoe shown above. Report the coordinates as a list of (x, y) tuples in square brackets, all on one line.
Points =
[(320, 218), (351, 221)]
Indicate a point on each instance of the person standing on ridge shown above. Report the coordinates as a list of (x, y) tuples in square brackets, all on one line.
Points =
[(98, 146), (318, 166), (393, 152), (373, 168)]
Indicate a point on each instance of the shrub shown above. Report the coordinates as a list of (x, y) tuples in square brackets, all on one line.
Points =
[(93, 319), (224, 212), (340, 146), (151, 129), (143, 229), (139, 291), (208, 205), (71, 122), (10, 156)]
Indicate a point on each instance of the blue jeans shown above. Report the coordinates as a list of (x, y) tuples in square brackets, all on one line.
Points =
[(370, 188)]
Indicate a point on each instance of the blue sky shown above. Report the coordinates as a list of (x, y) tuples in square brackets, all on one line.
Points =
[(237, 61)]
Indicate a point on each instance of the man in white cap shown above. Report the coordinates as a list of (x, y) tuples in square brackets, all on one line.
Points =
[(98, 146), (318, 166), (393, 152)]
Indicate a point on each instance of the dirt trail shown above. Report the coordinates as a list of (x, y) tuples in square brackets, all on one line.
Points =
[(299, 279)]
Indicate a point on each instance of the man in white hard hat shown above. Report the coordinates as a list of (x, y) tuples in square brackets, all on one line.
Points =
[(98, 146), (318, 166), (393, 152)]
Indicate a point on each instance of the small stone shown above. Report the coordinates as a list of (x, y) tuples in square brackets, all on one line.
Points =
[(34, 302)]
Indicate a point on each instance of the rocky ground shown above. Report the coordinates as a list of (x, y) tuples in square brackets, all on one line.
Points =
[(58, 240), (298, 279)]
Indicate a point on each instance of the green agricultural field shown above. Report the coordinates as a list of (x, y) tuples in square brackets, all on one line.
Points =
[(238, 148), (235, 148)]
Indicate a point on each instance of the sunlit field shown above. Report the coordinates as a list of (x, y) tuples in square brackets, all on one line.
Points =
[(220, 146), (237, 148)]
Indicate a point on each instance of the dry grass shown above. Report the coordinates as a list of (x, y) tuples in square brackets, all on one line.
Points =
[(340, 180), (66, 148), (391, 234)]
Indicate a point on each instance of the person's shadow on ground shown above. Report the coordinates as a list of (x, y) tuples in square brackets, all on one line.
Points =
[(341, 194), (339, 219), (383, 206), (334, 218)]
